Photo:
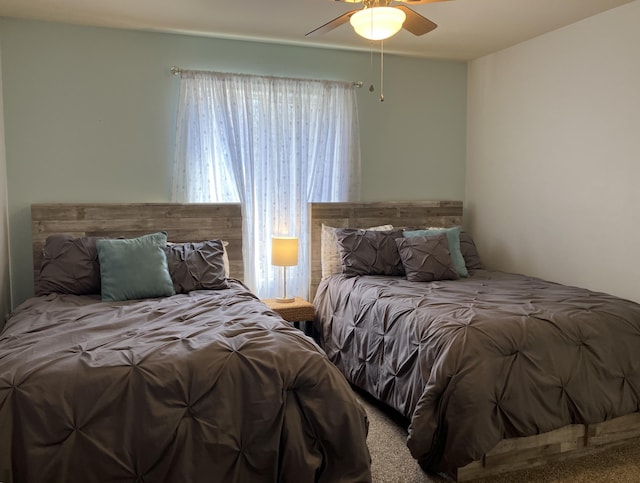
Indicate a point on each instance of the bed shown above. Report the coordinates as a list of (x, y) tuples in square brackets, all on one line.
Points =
[(206, 384), (494, 371)]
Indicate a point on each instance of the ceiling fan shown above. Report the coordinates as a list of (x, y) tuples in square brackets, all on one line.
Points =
[(379, 19)]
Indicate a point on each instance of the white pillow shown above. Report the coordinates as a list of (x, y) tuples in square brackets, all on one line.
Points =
[(329, 252), (225, 258)]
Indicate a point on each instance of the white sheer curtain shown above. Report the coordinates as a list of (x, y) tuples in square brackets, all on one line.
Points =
[(274, 144)]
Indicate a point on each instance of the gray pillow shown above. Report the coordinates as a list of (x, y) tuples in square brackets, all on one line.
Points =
[(453, 237), (197, 265), (368, 252), (134, 268), (330, 261), (69, 266), (426, 258), (470, 252)]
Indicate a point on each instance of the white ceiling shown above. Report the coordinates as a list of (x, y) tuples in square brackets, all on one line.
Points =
[(467, 29)]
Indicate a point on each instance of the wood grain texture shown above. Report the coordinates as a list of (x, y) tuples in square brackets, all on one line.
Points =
[(568, 442), (182, 222), (407, 214)]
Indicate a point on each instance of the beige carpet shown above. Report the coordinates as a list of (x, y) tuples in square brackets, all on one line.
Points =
[(391, 461)]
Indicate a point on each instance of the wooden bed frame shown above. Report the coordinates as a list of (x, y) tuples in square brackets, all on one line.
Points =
[(182, 222), (510, 454)]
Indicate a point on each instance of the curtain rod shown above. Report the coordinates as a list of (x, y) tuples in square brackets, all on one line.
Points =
[(177, 71)]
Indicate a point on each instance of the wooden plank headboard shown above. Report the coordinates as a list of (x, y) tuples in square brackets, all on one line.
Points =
[(182, 222), (363, 215)]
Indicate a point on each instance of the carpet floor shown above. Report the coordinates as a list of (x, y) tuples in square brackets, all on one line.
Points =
[(391, 461)]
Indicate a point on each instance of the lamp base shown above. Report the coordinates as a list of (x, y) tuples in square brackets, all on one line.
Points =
[(285, 300)]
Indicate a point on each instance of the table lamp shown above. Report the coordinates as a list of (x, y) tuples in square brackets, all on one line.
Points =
[(284, 253)]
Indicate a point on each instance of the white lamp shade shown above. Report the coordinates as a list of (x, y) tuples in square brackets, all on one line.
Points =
[(284, 251), (378, 23)]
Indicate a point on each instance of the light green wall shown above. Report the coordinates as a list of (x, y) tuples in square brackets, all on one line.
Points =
[(5, 269), (90, 116)]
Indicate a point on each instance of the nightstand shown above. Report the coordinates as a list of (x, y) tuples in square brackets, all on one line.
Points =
[(297, 311)]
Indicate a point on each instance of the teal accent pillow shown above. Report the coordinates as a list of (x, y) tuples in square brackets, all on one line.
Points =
[(134, 268), (453, 238)]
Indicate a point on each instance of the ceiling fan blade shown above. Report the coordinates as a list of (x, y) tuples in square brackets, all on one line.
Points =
[(416, 23), (336, 22)]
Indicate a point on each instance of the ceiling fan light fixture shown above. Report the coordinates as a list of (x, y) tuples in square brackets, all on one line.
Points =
[(378, 23)]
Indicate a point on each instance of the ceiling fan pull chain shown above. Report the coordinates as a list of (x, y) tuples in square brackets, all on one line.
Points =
[(382, 71), (371, 88)]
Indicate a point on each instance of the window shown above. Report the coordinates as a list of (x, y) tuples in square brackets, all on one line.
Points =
[(274, 144)]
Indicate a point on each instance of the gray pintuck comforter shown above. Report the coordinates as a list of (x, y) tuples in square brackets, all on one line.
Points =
[(477, 360), (209, 386)]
